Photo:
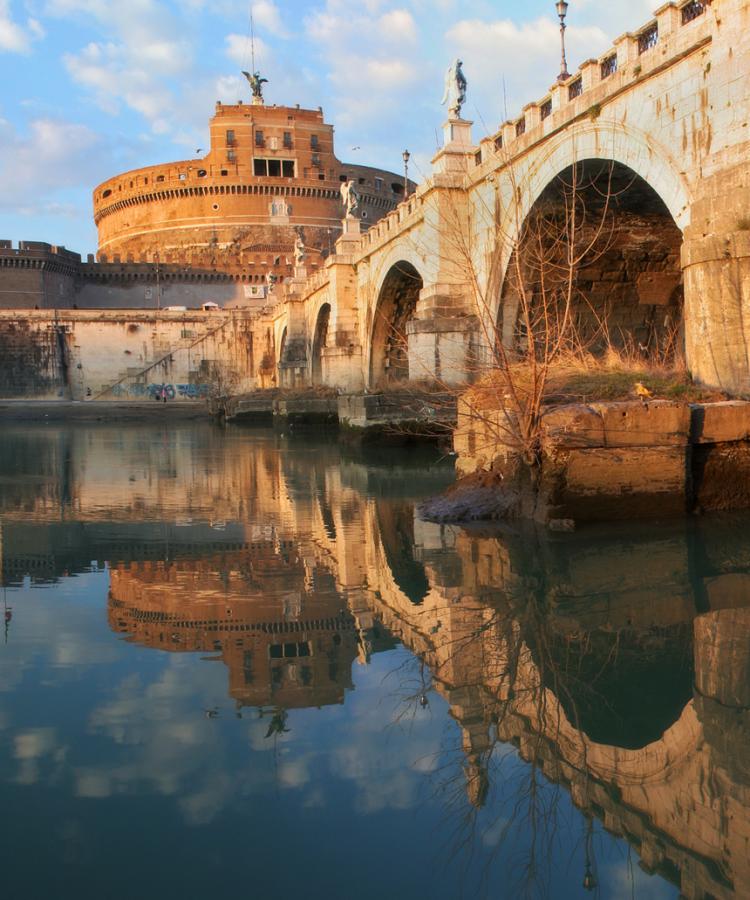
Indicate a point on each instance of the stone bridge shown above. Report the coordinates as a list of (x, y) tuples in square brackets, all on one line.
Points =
[(656, 128)]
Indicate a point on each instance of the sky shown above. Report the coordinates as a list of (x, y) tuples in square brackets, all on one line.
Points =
[(97, 87)]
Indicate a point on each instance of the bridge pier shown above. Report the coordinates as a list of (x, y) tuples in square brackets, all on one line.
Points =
[(717, 309)]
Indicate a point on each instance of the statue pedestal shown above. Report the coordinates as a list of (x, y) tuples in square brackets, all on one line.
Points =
[(453, 158), (457, 132), (351, 227), (300, 273)]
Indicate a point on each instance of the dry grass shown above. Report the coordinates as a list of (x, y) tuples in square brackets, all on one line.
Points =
[(583, 378)]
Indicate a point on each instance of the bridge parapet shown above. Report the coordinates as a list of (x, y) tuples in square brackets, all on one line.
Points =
[(676, 30)]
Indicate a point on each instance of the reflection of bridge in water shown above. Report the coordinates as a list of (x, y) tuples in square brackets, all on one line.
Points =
[(615, 662)]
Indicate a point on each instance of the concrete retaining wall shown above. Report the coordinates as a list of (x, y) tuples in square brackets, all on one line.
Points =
[(127, 355)]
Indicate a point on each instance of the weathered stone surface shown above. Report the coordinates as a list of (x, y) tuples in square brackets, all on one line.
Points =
[(715, 423), (721, 475), (574, 426), (656, 423), (609, 484)]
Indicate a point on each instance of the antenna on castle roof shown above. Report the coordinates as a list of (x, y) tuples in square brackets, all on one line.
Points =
[(252, 40), (254, 77)]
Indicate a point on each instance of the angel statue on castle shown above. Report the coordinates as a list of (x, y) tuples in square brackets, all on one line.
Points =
[(256, 84), (455, 89)]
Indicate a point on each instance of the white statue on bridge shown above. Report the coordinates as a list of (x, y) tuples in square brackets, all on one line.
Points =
[(455, 89), (300, 254), (350, 198)]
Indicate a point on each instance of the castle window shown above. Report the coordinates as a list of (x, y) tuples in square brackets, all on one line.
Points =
[(378, 184), (288, 140), (322, 176), (106, 193), (575, 89), (360, 180), (160, 178), (287, 167), (224, 172), (259, 139), (314, 144), (231, 156), (343, 178), (316, 160), (545, 110), (274, 168), (201, 173), (230, 138)]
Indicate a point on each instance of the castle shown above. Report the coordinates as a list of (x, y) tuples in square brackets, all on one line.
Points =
[(217, 228)]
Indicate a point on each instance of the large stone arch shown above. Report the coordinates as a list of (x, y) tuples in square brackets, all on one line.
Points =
[(399, 254), (395, 305), (319, 343), (596, 139)]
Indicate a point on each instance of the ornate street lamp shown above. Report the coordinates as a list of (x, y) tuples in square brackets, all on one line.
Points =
[(406, 157), (562, 11)]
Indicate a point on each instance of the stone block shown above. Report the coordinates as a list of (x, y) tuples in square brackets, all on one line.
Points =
[(656, 288), (648, 470), (569, 427), (656, 423), (621, 483), (716, 423)]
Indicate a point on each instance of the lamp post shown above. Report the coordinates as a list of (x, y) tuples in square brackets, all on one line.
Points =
[(562, 10), (406, 157)]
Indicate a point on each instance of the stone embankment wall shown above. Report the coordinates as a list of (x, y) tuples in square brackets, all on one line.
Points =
[(616, 460), (124, 355)]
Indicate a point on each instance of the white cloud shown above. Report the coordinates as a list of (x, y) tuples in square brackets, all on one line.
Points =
[(508, 64), (267, 15), (15, 38), (52, 156)]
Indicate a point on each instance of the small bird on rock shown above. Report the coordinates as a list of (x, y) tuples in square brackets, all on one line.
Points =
[(642, 392)]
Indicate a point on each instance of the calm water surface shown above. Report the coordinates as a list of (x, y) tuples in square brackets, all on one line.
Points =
[(236, 664)]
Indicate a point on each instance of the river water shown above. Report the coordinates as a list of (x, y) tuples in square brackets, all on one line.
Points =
[(238, 664)]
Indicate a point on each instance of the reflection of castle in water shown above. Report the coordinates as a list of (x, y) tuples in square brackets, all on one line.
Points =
[(618, 663), (275, 619)]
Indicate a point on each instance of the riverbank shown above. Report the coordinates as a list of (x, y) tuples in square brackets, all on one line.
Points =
[(100, 411), (599, 462)]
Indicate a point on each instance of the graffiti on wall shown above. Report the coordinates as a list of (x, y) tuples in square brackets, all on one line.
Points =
[(159, 391)]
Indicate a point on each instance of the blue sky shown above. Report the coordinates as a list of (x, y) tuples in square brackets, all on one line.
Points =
[(95, 87)]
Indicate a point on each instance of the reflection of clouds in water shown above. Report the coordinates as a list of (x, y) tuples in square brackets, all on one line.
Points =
[(172, 747), (494, 835), (32, 746), (57, 627), (34, 743), (294, 773), (626, 880), (385, 764)]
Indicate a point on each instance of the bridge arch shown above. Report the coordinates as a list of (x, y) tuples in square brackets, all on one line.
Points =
[(395, 305), (626, 149), (319, 343)]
